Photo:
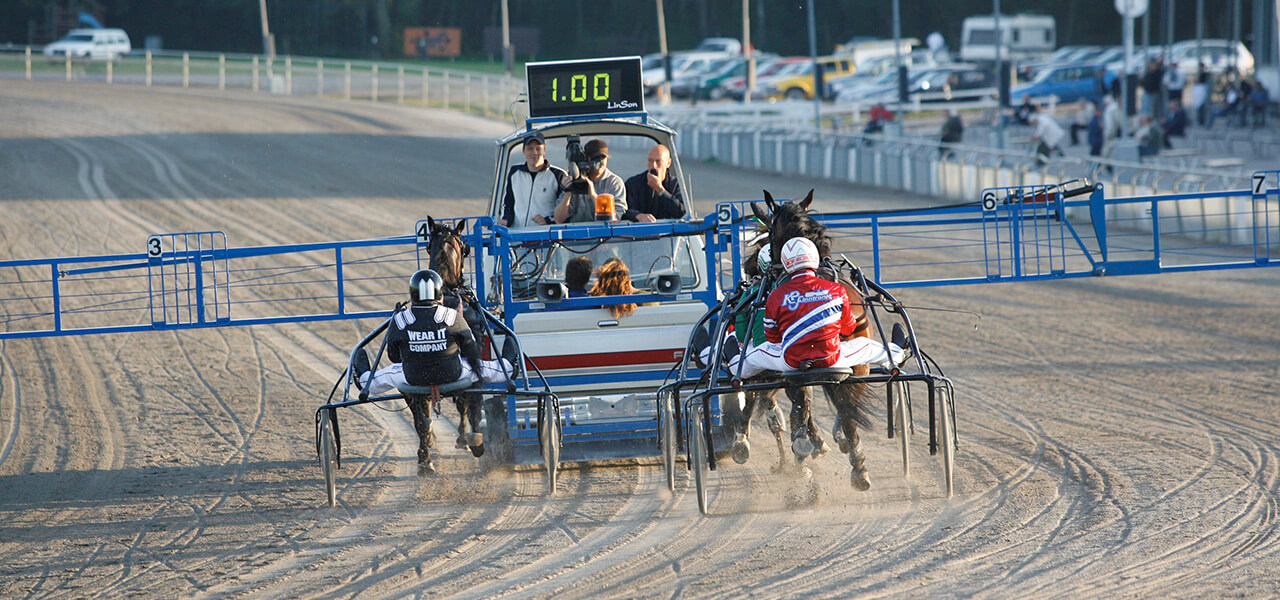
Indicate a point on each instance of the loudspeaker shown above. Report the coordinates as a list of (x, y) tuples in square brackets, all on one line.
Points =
[(666, 284), (552, 292)]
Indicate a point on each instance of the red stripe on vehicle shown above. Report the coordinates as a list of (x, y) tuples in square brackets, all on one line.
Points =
[(609, 359)]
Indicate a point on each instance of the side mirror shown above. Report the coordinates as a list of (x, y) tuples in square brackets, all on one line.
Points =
[(667, 285), (552, 292)]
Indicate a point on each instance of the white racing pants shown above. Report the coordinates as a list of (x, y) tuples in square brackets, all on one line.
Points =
[(853, 351), (386, 379)]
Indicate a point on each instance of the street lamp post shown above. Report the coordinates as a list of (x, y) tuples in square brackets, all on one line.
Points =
[(268, 42)]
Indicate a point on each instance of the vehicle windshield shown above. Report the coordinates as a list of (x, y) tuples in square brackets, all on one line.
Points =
[(646, 260), (79, 37)]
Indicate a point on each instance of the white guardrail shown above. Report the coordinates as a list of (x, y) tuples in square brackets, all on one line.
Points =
[(490, 95)]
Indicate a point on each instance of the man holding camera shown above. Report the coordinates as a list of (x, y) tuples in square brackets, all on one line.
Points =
[(655, 194), (594, 180)]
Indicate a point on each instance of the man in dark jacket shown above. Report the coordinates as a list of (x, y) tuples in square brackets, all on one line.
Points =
[(655, 193)]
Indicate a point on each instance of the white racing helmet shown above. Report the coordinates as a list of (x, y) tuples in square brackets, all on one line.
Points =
[(764, 259), (798, 254)]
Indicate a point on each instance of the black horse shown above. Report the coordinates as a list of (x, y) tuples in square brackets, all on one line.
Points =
[(783, 221)]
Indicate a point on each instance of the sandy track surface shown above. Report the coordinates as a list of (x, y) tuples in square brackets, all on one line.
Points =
[(1117, 436)]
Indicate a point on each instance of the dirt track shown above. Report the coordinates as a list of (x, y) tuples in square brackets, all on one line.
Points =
[(1118, 436)]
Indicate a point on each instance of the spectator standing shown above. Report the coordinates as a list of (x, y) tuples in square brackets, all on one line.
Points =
[(1174, 81), (1095, 134), (1110, 118), (1152, 80), (1080, 120), (1200, 96), (1259, 101)]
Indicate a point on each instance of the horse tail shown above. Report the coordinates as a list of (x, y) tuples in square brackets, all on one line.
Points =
[(852, 401)]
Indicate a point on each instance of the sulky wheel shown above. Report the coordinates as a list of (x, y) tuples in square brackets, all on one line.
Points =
[(667, 435), (549, 438), (948, 440), (698, 456), (327, 450), (902, 422)]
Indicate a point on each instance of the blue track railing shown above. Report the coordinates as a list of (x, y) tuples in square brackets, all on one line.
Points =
[(191, 280)]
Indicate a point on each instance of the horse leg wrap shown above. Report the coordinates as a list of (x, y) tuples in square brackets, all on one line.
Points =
[(741, 449), (858, 477)]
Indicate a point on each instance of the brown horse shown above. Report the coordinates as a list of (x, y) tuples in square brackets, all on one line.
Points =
[(447, 249), (784, 221)]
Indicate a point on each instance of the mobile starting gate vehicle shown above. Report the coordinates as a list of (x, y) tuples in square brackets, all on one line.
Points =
[(596, 386)]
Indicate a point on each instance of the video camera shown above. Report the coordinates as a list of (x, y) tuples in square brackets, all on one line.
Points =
[(579, 164)]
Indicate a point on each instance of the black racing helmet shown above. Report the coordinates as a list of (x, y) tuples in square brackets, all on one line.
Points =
[(426, 287)]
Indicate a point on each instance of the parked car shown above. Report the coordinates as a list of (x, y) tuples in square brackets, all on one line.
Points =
[(91, 44), (783, 67), (942, 84), (874, 68), (1068, 82), (682, 64), (1062, 56), (799, 84), (1216, 55), (723, 45), (689, 82)]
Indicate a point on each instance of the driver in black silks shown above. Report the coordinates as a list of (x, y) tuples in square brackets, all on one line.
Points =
[(427, 343)]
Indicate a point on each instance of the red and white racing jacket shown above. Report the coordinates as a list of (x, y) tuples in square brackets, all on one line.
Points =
[(806, 316)]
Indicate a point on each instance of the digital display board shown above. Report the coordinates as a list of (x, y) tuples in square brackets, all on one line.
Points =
[(585, 87)]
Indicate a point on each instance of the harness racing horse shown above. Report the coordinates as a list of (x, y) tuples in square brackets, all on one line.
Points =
[(784, 221), (447, 249)]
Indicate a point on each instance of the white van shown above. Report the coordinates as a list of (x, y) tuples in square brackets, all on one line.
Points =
[(91, 44), (1023, 37)]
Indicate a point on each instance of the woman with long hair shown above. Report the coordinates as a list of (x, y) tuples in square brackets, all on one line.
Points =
[(614, 279)]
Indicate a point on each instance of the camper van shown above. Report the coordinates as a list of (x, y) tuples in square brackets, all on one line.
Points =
[(1023, 37)]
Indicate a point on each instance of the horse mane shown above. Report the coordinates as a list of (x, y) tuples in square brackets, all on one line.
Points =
[(792, 219)]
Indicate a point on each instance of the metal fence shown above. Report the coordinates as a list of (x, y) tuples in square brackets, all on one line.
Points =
[(489, 95)]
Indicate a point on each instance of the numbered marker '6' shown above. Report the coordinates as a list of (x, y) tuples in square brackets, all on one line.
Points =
[(154, 249), (988, 200)]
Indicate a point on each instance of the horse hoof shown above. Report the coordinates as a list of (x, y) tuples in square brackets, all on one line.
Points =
[(741, 451), (801, 447), (477, 450), (819, 449), (426, 468), (860, 480), (475, 439)]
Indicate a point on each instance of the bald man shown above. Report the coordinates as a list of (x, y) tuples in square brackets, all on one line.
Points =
[(655, 194)]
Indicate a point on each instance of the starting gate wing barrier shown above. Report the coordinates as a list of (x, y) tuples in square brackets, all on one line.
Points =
[(193, 280)]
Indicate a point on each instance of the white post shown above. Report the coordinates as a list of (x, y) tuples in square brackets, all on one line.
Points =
[(466, 88), (346, 80), (288, 75), (425, 87), (148, 68), (400, 84), (446, 90), (222, 71), (484, 102), (28, 63), (110, 72), (68, 61), (320, 77), (255, 73), (186, 70), (373, 84)]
